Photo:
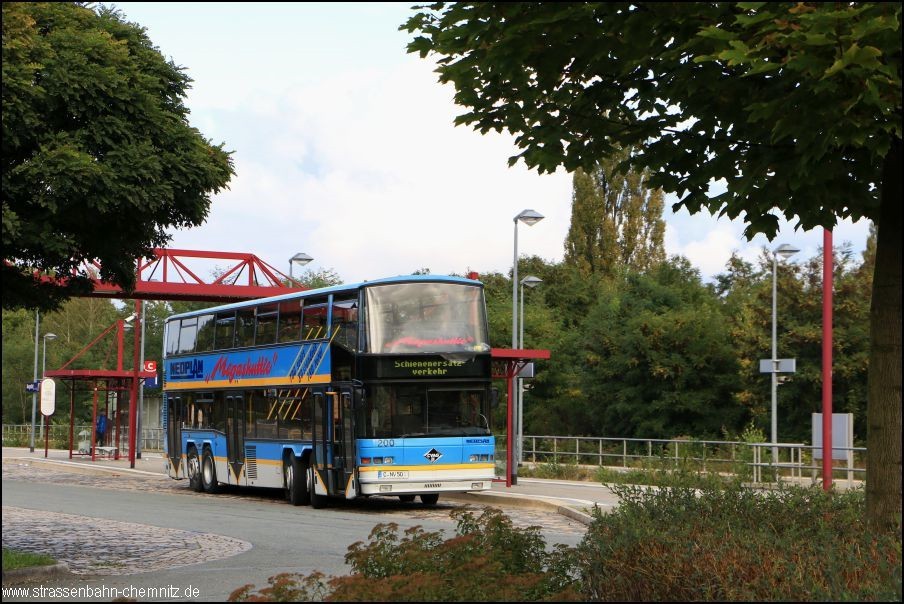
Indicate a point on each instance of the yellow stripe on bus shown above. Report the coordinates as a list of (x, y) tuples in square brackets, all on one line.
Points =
[(247, 382), (458, 466)]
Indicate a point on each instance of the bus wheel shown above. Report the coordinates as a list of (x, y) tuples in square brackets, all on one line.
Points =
[(430, 498), (294, 472), (406, 498), (316, 501), (193, 468), (209, 473)]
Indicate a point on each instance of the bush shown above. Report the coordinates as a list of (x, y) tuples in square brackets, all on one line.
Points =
[(488, 560), (736, 544)]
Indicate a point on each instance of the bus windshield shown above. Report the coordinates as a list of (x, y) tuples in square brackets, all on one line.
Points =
[(421, 410), (425, 317)]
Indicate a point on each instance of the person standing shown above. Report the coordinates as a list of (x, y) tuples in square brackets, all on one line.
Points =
[(101, 428)]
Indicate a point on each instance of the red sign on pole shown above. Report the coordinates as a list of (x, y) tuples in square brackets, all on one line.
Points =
[(150, 365)]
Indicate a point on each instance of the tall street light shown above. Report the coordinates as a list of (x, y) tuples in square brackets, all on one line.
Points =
[(785, 251), (530, 281), (530, 218), (34, 395), (47, 336), (300, 259)]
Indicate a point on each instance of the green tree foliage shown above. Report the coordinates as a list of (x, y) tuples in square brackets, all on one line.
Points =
[(78, 322), (98, 156), (616, 221), (794, 107)]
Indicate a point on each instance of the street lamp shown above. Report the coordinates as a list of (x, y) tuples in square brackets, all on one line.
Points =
[(47, 336), (785, 251), (34, 395), (530, 218), (530, 281), (300, 259)]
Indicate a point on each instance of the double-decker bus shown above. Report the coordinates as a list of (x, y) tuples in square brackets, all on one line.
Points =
[(378, 388)]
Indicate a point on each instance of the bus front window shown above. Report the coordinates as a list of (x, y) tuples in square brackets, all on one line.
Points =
[(426, 318), (411, 411)]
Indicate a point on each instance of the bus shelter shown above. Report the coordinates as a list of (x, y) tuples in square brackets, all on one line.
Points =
[(113, 383), (507, 365)]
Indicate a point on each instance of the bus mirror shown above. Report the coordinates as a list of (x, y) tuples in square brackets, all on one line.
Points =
[(494, 398)]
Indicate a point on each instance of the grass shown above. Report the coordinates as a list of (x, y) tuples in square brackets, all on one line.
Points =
[(14, 559)]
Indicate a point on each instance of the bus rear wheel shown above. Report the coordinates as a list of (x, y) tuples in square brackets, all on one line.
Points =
[(209, 473), (295, 473), (406, 498), (193, 469), (430, 498)]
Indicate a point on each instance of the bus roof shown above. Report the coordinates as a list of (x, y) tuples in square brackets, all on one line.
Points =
[(346, 287)]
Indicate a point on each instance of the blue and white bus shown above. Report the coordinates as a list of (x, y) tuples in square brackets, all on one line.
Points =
[(378, 388)]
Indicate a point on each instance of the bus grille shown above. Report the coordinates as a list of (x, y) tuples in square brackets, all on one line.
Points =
[(251, 463)]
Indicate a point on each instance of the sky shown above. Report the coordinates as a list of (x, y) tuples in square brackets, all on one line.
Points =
[(345, 149)]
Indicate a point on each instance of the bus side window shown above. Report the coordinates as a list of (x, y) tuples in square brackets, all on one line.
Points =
[(314, 319), (225, 331), (290, 321), (265, 333), (244, 327)]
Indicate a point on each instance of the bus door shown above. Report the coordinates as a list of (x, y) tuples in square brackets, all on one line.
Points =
[(344, 431), (235, 435), (174, 431), (334, 440), (321, 437)]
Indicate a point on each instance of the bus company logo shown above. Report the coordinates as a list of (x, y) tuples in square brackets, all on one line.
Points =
[(432, 455), (477, 441), (223, 369), (187, 370)]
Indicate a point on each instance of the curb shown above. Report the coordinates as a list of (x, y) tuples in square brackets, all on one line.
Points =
[(90, 468), (36, 572), (521, 502)]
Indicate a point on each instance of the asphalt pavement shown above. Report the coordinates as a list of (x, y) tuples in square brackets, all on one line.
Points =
[(158, 552)]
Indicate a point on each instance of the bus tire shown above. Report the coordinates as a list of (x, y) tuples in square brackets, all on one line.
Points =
[(406, 498), (430, 498), (193, 469), (316, 501), (209, 473), (295, 476)]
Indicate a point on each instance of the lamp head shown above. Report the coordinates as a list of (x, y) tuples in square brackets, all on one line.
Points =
[(529, 217), (786, 250), (300, 259), (531, 281), (50, 336)]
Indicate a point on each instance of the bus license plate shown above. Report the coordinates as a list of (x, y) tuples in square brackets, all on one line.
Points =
[(392, 474)]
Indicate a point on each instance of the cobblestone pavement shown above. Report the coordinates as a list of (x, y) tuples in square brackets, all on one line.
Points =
[(107, 547)]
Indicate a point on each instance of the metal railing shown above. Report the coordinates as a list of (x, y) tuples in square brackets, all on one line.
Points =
[(792, 461), (18, 435)]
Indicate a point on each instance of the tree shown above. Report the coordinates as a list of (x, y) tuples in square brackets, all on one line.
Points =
[(98, 156), (793, 108), (616, 221)]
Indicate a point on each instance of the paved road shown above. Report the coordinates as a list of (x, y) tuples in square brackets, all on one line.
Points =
[(110, 522)]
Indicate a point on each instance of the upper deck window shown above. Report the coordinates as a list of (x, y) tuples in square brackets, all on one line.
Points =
[(425, 317)]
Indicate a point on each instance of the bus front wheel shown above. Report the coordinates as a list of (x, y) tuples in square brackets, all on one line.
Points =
[(295, 471), (209, 473)]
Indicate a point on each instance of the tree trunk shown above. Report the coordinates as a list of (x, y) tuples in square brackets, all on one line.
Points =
[(883, 468)]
